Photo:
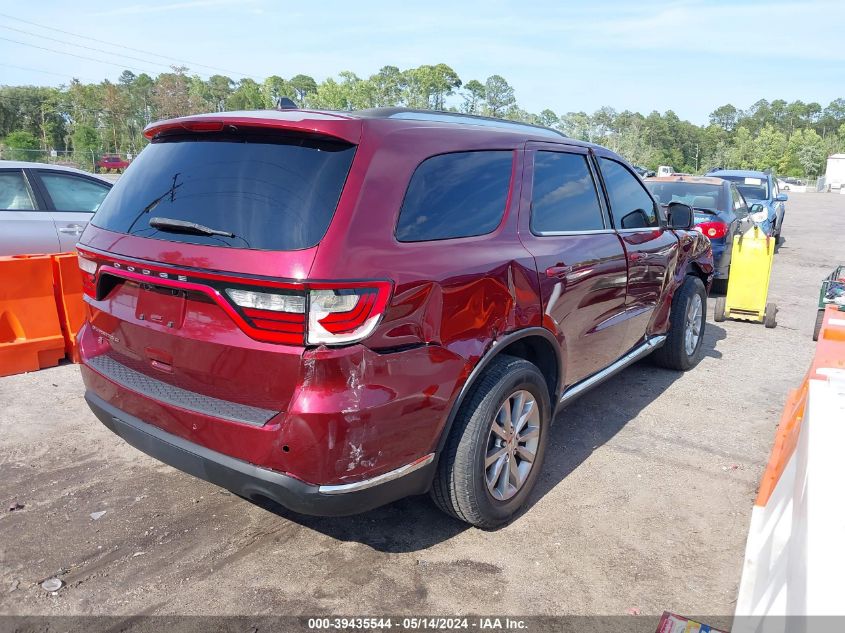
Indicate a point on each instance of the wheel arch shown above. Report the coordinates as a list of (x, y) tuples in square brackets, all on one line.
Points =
[(696, 271), (537, 345)]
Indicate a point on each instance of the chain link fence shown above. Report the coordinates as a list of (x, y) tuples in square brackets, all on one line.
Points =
[(85, 160)]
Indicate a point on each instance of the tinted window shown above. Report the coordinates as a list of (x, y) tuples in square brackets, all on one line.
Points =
[(564, 196), (455, 195), (71, 193), (630, 203), (272, 191), (14, 193), (740, 208), (751, 187)]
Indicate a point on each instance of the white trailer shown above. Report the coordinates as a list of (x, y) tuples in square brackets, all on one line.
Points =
[(834, 175)]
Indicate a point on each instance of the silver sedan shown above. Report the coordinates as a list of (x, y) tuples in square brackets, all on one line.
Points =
[(44, 208)]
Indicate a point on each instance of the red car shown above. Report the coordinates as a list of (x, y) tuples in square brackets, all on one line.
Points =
[(112, 161), (334, 311)]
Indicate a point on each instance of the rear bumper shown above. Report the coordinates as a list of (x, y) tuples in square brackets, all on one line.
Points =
[(254, 482)]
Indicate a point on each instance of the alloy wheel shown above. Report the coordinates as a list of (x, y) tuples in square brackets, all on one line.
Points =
[(512, 445), (694, 324)]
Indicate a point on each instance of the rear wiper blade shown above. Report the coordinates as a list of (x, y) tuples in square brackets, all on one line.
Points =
[(708, 211), (181, 226)]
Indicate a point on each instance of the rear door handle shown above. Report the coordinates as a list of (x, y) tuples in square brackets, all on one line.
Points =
[(559, 271), (72, 229)]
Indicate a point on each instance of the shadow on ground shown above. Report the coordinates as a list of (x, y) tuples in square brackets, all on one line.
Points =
[(415, 524)]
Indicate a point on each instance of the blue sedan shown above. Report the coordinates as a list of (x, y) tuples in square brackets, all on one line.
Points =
[(759, 188), (718, 206)]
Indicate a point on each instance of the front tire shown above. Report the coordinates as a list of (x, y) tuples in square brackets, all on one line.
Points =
[(683, 347), (496, 446)]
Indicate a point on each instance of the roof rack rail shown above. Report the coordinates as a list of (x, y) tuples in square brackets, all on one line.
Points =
[(451, 117)]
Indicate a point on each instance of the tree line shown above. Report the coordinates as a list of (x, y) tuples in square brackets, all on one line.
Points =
[(85, 119)]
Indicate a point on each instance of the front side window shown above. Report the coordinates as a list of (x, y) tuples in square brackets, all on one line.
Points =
[(14, 193), (740, 208), (564, 195), (456, 195), (71, 193), (631, 205)]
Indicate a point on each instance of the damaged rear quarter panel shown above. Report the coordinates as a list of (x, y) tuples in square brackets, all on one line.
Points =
[(358, 412), (451, 300)]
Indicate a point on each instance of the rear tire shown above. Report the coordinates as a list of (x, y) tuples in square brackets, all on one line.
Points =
[(683, 347), (770, 316), (818, 328), (719, 312), (467, 484)]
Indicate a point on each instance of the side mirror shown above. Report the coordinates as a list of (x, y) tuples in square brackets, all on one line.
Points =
[(781, 197), (680, 215), (756, 208), (636, 219)]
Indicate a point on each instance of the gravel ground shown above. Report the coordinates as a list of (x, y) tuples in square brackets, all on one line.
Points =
[(644, 503)]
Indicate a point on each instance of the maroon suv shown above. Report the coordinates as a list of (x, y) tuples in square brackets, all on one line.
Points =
[(334, 311)]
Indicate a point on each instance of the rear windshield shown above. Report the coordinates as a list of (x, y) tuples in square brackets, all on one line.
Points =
[(699, 195), (750, 187), (253, 189)]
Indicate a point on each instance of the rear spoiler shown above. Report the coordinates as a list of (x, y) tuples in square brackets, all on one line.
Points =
[(318, 123)]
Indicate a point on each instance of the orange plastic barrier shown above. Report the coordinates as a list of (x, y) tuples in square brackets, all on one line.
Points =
[(30, 334), (830, 349), (830, 355), (67, 284), (786, 439)]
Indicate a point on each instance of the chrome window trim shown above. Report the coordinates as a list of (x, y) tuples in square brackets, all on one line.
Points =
[(597, 187), (559, 233)]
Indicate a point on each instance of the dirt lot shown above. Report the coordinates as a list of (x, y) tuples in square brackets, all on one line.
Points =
[(644, 503)]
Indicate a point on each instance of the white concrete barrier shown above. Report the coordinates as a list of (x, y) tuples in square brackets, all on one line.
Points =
[(795, 554)]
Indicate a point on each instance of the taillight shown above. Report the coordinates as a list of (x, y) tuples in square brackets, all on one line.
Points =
[(88, 268), (281, 313), (713, 230), (273, 311), (322, 314), (342, 315)]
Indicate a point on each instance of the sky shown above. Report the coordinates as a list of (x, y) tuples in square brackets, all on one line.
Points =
[(688, 56)]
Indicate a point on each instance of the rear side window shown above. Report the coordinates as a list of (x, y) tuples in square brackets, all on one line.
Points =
[(14, 194), (271, 191), (455, 195), (564, 195), (71, 193), (630, 203)]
